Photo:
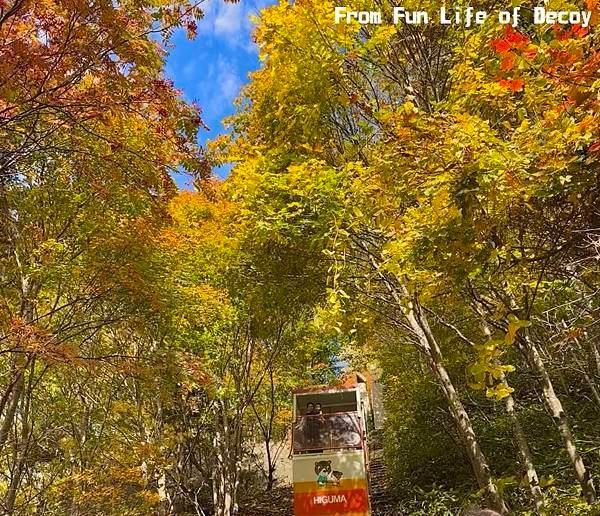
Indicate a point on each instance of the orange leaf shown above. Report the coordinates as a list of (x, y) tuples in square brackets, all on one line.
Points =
[(530, 53), (508, 63), (517, 40), (579, 31), (517, 84), (501, 46), (512, 84)]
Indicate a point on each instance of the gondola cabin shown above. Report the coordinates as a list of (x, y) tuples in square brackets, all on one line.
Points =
[(329, 451)]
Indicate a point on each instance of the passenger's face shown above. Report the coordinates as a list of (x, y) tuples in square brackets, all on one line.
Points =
[(310, 406)]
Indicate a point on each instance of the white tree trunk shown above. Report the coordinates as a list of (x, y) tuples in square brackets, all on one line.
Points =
[(556, 409), (526, 456), (225, 473), (432, 352)]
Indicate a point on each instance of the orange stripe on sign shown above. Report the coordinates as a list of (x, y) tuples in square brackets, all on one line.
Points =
[(347, 501)]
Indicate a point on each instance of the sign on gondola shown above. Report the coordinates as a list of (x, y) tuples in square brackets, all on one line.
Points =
[(329, 452)]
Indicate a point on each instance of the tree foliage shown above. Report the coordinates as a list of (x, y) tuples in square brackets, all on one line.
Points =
[(450, 178), (422, 200)]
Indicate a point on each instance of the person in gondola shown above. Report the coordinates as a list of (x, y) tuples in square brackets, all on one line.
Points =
[(319, 421), (310, 426)]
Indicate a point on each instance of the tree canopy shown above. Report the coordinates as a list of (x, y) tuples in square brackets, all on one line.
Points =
[(417, 200)]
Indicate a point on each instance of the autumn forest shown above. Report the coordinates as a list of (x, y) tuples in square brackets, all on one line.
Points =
[(419, 201)]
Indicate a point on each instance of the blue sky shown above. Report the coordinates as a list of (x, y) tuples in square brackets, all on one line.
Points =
[(211, 68)]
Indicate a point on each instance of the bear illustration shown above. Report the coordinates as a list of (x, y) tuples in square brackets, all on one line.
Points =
[(335, 477), (322, 470)]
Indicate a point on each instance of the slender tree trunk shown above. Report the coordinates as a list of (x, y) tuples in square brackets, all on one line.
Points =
[(163, 494), (596, 354), (20, 363), (532, 353), (225, 471), (526, 457), (268, 437), (521, 439), (21, 443), (591, 383), (15, 481), (15, 398), (7, 392), (266, 431), (558, 414), (270, 466), (218, 478), (583, 368), (464, 427)]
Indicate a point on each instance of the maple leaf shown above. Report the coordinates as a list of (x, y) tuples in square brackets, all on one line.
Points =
[(517, 40), (512, 40), (508, 63), (512, 84), (579, 31), (501, 46)]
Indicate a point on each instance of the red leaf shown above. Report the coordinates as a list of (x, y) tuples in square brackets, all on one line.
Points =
[(512, 84), (501, 46), (579, 31), (517, 40), (517, 84)]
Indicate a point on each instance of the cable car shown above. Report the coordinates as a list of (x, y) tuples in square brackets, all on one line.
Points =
[(329, 453)]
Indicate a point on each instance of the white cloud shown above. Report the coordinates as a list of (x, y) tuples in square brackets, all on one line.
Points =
[(220, 84), (228, 80), (229, 20)]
